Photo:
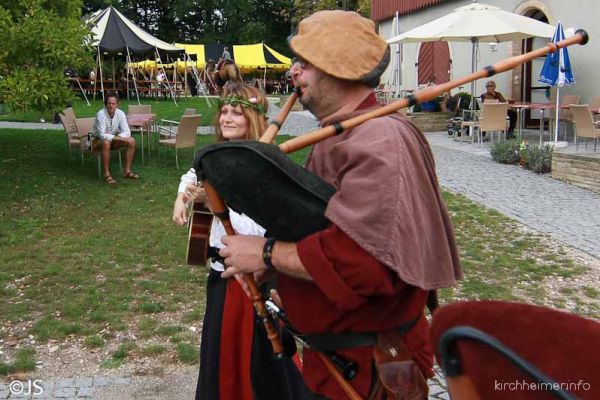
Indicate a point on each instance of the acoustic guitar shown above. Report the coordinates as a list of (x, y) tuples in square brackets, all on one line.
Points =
[(199, 231)]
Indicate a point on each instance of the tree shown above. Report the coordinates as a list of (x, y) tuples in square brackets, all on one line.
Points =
[(304, 8), (38, 40), (208, 21)]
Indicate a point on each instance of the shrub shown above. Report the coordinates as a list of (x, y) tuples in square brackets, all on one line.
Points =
[(505, 152), (538, 159)]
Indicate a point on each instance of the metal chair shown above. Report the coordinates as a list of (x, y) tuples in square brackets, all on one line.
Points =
[(496, 350), (585, 126), (84, 129), (185, 137)]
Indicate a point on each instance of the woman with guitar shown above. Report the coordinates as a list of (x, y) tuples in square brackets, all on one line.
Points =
[(235, 353)]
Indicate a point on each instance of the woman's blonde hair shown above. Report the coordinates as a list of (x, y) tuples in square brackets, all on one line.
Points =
[(254, 107)]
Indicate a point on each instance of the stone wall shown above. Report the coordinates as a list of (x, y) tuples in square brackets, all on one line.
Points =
[(577, 169), (431, 121)]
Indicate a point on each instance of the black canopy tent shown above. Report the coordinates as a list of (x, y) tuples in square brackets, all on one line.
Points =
[(115, 35)]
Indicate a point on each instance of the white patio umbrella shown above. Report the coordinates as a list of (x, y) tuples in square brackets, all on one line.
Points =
[(476, 23)]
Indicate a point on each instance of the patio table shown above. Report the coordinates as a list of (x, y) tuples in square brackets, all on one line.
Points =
[(542, 107), (142, 122)]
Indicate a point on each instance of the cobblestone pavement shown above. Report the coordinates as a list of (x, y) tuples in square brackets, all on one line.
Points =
[(142, 388), (566, 212), (176, 387), (438, 389)]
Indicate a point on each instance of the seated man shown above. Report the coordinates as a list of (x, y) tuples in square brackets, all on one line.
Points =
[(112, 132), (491, 94)]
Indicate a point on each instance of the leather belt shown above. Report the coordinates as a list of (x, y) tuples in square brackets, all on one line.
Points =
[(350, 340)]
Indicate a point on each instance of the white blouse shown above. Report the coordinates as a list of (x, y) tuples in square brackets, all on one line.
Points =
[(242, 224)]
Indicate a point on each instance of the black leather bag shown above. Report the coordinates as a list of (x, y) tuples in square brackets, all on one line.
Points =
[(259, 180)]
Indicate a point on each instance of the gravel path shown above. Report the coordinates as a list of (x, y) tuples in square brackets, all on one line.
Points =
[(298, 122)]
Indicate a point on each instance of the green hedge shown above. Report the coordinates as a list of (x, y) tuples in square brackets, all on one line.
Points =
[(538, 159), (534, 158), (506, 152)]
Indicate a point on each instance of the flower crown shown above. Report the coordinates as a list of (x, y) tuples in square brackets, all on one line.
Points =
[(234, 101)]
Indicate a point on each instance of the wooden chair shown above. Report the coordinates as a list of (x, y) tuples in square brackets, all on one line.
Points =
[(381, 94), (139, 109), (496, 350), (84, 129), (170, 132), (565, 116), (67, 118), (185, 137), (585, 126), (491, 118), (595, 103)]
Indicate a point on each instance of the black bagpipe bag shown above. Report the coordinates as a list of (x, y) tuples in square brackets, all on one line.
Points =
[(259, 180)]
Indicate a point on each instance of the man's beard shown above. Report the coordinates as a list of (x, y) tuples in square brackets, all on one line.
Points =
[(306, 102)]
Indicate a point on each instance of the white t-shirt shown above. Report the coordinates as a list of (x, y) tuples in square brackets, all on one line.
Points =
[(242, 224)]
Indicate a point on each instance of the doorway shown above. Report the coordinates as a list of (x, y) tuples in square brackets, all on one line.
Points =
[(531, 89), (433, 63)]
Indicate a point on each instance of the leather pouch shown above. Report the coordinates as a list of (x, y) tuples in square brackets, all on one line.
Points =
[(399, 377)]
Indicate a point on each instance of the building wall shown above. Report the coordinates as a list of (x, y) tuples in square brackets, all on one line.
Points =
[(575, 13)]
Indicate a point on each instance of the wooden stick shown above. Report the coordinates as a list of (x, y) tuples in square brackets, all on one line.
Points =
[(221, 211), (430, 93), (346, 386), (276, 123)]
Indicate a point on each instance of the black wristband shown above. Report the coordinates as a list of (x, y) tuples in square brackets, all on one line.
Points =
[(268, 253)]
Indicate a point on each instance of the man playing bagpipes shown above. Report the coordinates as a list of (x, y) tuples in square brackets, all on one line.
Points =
[(357, 289)]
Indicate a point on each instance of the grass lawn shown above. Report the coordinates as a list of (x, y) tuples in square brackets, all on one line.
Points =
[(164, 109), (80, 258)]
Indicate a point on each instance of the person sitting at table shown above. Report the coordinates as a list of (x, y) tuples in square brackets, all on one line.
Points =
[(111, 131), (492, 94)]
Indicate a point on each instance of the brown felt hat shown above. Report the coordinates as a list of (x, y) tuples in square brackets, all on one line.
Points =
[(342, 44)]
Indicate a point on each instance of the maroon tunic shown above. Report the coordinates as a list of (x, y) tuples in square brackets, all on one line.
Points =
[(352, 291), (390, 241)]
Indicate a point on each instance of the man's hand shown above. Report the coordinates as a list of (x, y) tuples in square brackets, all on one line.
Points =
[(242, 254)]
